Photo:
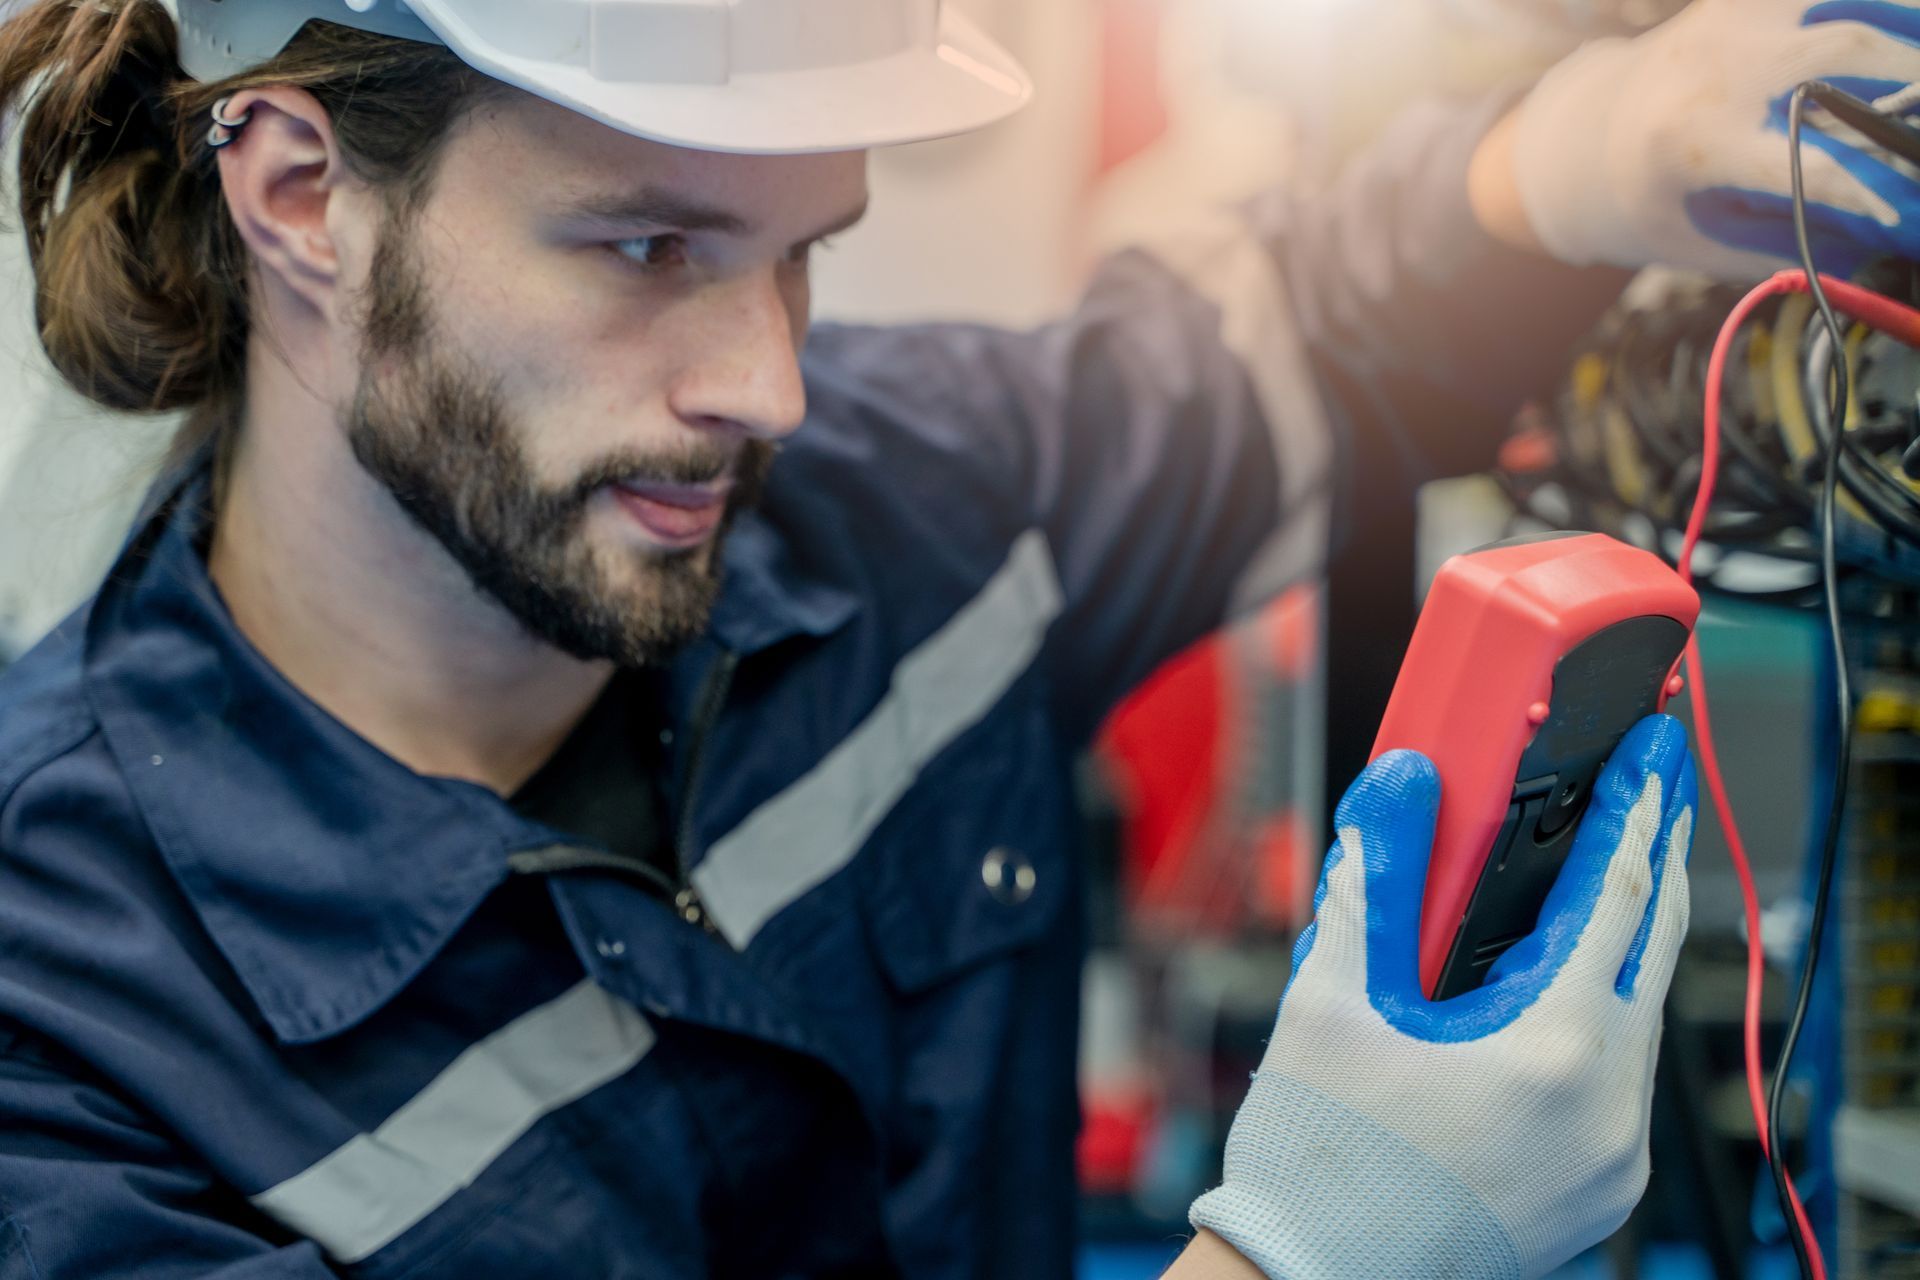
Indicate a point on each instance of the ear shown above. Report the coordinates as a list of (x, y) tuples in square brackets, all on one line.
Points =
[(284, 179)]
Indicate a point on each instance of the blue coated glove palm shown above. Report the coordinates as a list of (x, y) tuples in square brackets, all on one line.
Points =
[(1492, 1135), (1670, 147)]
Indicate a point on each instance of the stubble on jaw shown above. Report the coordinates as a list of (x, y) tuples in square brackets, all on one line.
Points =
[(436, 430)]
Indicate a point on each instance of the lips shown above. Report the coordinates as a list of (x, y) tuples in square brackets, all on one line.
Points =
[(676, 515)]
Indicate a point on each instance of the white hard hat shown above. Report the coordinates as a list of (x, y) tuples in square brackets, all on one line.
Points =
[(756, 76)]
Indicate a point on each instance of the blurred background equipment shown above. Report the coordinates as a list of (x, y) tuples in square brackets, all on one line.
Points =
[(1876, 1134)]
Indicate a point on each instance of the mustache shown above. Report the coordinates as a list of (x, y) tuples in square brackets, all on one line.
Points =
[(744, 463)]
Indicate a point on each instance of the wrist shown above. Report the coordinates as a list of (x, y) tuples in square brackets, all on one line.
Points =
[(1208, 1257)]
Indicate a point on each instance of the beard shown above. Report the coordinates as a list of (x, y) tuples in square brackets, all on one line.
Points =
[(436, 431)]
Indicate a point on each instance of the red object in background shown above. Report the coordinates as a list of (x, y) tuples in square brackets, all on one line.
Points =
[(1166, 743), (1530, 450), (1133, 112), (1479, 680), (1282, 848), (1204, 847), (1112, 1137)]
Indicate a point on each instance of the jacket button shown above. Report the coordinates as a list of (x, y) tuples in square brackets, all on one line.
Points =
[(688, 904), (1008, 874)]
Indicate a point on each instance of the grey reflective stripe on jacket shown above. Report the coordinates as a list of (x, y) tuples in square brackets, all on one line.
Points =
[(949, 681)]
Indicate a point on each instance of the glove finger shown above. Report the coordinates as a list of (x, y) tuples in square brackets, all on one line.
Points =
[(1833, 152), (1627, 836), (1648, 968), (1757, 231), (1672, 911), (1871, 40), (1899, 21), (1397, 810), (1306, 947), (1367, 918), (1857, 207), (1596, 905), (1840, 171)]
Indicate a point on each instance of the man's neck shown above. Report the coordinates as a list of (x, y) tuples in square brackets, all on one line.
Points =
[(368, 616)]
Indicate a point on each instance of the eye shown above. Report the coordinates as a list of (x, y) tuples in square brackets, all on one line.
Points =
[(653, 253)]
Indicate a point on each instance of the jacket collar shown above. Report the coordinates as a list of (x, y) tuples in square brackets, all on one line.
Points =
[(328, 873), (770, 593)]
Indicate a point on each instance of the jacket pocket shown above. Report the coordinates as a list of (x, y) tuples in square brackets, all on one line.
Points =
[(974, 862)]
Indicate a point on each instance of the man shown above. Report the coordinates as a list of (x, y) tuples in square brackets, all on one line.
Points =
[(495, 819)]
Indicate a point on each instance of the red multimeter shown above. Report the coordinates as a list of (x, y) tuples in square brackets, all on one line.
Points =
[(1531, 660)]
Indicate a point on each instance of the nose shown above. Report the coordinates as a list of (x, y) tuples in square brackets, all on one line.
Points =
[(743, 374)]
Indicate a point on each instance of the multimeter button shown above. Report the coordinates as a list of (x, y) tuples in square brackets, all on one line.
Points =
[(1560, 806), (1537, 713)]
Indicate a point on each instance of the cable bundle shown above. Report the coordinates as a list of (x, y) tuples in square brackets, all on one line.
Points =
[(1621, 449)]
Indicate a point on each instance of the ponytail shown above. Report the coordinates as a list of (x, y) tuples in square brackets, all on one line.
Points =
[(126, 311), (139, 275)]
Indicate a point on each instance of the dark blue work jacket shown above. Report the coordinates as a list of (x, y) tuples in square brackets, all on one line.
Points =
[(273, 1005)]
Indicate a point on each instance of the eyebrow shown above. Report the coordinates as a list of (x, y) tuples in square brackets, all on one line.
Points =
[(661, 208)]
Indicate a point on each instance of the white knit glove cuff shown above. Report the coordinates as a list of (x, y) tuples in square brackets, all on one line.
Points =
[(1315, 1190), (1569, 187)]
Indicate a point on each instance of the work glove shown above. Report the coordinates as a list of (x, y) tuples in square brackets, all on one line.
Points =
[(1493, 1135), (1670, 147), (1551, 25)]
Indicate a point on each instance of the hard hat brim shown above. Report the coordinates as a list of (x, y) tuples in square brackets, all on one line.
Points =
[(966, 81)]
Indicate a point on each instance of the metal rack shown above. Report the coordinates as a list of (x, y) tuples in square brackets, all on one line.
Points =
[(1877, 1132)]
